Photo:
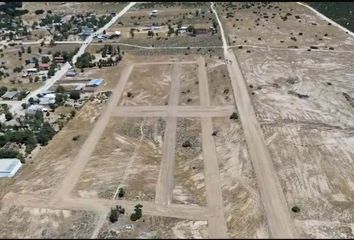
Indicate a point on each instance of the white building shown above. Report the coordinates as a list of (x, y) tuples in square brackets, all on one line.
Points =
[(47, 99), (9, 166)]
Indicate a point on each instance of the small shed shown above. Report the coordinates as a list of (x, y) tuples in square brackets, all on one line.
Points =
[(47, 99), (31, 110), (43, 66), (94, 83), (9, 95), (9, 166)]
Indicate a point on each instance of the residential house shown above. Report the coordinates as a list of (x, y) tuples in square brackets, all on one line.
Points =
[(43, 67), (9, 95)]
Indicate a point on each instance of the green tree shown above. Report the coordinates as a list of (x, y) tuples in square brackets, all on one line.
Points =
[(3, 90), (8, 116), (45, 134), (60, 89), (75, 94), (137, 213)]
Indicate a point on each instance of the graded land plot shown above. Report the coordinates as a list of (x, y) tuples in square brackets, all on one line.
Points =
[(153, 227), (304, 103), (52, 162), (148, 85), (189, 171), (189, 91), (220, 89), (243, 208), (128, 155), (285, 24), (315, 168), (25, 222), (313, 87)]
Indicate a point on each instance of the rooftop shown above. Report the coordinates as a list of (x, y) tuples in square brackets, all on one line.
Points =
[(9, 166)]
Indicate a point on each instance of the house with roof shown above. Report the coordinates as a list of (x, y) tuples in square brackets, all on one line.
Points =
[(9, 95), (47, 99), (9, 166), (43, 67), (93, 85)]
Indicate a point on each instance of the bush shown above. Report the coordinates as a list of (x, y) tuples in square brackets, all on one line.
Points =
[(3, 90), (8, 116), (39, 11), (45, 134), (137, 213), (60, 89), (121, 192), (75, 94), (9, 153), (234, 115), (113, 217)]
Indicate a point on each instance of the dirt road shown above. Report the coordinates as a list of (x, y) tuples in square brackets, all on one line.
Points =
[(181, 111), (165, 182), (277, 212), (216, 220), (89, 146)]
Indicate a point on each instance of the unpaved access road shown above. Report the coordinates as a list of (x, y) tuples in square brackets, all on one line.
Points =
[(165, 182), (276, 209), (216, 220), (89, 146)]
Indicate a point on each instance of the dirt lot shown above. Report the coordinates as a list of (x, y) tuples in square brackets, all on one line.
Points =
[(219, 84), (24, 222), (189, 94), (302, 28), (70, 8), (54, 159), (189, 174), (153, 227), (148, 85), (243, 207), (128, 156), (304, 102)]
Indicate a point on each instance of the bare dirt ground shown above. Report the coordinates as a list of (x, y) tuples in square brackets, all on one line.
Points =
[(219, 84), (148, 85), (301, 27), (303, 101), (189, 176), (127, 155), (189, 94), (57, 156), (315, 132), (154, 227), (243, 207), (25, 222)]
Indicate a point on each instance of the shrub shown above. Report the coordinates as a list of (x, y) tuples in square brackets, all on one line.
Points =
[(75, 94), (234, 115), (8, 116)]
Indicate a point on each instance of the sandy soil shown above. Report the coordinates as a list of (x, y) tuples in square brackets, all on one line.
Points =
[(189, 92), (127, 155), (189, 175), (243, 207), (148, 85), (154, 227), (25, 222), (303, 102)]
